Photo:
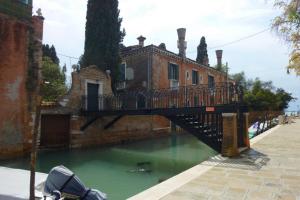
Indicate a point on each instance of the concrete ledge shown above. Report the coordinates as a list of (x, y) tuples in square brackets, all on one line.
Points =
[(15, 183)]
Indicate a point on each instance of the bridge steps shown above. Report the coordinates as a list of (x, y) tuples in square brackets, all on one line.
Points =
[(209, 133)]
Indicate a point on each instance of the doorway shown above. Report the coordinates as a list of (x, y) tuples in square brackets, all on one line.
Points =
[(92, 97)]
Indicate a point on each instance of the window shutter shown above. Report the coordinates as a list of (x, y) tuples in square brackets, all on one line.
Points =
[(176, 72), (122, 72), (169, 71)]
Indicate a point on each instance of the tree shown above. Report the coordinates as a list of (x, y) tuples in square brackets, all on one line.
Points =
[(103, 36), (294, 63), (287, 26), (263, 96), (54, 80), (222, 68), (240, 79), (50, 52), (202, 56), (283, 98)]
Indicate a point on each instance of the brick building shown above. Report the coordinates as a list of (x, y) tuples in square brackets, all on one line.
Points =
[(18, 29), (154, 67)]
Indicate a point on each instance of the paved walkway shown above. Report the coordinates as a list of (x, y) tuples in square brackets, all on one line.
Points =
[(270, 170)]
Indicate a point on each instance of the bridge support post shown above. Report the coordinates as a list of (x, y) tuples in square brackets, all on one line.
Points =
[(245, 131), (230, 140)]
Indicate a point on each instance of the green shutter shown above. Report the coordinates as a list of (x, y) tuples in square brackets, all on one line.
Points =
[(177, 72), (169, 71)]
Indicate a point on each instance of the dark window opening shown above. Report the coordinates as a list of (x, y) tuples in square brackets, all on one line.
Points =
[(122, 72), (195, 77), (173, 71), (211, 81)]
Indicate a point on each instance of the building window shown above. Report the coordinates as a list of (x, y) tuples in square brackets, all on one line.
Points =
[(211, 81), (173, 71), (195, 77), (123, 72)]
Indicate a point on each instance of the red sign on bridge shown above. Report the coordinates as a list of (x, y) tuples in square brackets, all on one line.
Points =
[(210, 109)]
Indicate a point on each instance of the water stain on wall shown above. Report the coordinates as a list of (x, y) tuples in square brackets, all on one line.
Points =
[(13, 89), (10, 133)]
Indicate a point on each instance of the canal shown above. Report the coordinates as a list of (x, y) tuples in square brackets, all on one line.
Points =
[(125, 170)]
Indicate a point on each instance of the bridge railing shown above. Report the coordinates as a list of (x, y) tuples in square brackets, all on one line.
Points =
[(180, 97)]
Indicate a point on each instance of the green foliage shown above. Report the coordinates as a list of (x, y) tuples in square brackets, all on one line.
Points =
[(50, 52), (261, 96), (240, 79), (103, 36), (223, 68), (54, 80), (294, 63), (287, 26), (202, 56)]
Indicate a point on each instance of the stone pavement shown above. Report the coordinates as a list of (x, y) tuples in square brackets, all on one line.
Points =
[(269, 170)]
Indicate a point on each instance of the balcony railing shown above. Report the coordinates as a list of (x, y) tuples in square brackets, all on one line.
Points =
[(21, 9)]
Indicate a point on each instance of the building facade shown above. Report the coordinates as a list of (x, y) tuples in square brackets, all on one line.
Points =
[(20, 37), (154, 67)]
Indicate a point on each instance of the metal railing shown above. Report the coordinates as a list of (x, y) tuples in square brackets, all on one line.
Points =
[(181, 97), (17, 8)]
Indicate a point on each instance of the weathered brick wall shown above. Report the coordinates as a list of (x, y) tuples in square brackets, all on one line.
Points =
[(14, 116), (139, 65), (127, 129), (160, 72), (78, 88)]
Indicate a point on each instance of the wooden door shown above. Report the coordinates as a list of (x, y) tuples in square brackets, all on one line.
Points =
[(55, 131)]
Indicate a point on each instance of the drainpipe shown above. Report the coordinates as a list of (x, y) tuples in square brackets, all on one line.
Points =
[(227, 82)]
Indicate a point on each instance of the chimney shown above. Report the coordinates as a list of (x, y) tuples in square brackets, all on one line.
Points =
[(141, 40), (219, 54), (181, 43)]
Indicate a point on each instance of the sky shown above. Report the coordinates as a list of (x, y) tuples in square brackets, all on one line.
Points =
[(220, 21)]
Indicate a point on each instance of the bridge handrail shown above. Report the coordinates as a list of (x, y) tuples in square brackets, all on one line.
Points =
[(189, 96)]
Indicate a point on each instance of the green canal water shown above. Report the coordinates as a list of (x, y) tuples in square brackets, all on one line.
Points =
[(125, 170)]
